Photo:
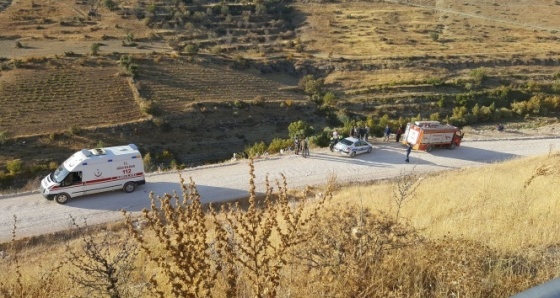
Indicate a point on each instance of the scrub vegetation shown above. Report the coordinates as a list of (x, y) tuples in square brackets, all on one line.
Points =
[(488, 231)]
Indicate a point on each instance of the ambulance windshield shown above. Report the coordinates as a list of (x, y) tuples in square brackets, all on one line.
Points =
[(60, 173)]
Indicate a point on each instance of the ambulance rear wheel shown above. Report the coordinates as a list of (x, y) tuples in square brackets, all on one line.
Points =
[(62, 198), (129, 187)]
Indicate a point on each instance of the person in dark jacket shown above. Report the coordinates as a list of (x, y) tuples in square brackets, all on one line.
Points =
[(399, 134), (408, 149)]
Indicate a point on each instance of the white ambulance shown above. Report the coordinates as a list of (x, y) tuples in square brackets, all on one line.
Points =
[(93, 171)]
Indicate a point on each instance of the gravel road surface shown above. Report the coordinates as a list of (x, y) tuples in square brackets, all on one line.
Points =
[(222, 182)]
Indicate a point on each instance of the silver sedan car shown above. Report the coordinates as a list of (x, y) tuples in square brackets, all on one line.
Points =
[(352, 146)]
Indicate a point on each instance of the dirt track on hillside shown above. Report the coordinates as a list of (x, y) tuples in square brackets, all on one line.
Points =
[(50, 48)]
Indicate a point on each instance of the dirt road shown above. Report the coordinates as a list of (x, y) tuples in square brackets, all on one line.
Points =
[(223, 182)]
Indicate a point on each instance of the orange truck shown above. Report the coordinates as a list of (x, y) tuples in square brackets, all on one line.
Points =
[(426, 135)]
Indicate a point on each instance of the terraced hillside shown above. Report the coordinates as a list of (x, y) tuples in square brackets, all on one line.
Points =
[(179, 83), (56, 96), (227, 75)]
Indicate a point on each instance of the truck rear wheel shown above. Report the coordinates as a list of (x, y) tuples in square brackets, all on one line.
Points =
[(129, 187), (62, 198), (452, 146), (429, 148)]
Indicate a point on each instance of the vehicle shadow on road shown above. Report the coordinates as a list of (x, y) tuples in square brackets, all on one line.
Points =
[(467, 153), (139, 199)]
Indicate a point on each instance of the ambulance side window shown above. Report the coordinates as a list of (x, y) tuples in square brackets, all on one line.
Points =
[(77, 177), (68, 180), (72, 178)]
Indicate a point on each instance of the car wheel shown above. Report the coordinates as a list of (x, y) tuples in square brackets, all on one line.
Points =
[(62, 198), (369, 150), (429, 148), (129, 187), (353, 154)]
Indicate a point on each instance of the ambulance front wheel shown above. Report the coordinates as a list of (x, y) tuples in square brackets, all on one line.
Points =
[(129, 187), (62, 198)]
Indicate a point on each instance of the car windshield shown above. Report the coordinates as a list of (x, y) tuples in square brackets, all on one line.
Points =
[(60, 173), (347, 142)]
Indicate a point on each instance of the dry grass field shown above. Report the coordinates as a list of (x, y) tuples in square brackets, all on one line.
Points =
[(482, 232)]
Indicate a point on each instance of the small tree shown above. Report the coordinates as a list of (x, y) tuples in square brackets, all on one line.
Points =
[(300, 128), (101, 271), (434, 36), (404, 190), (95, 49), (311, 86), (110, 4)]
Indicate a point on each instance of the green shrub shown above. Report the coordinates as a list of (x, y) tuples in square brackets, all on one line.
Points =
[(239, 103), (95, 49), (74, 130), (53, 165), (191, 49), (311, 86), (459, 122), (434, 36), (4, 137), (14, 166), (503, 113), (478, 75), (434, 81), (151, 107), (148, 162), (277, 144), (519, 107), (459, 112), (162, 124), (110, 4), (255, 150), (435, 116), (321, 140), (329, 98)]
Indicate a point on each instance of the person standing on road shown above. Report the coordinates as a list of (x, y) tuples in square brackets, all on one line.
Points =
[(408, 149), (399, 133), (387, 133), (296, 145), (304, 147)]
